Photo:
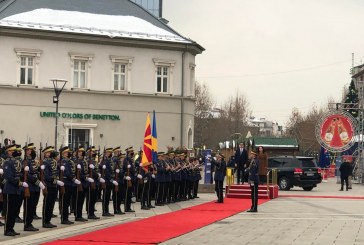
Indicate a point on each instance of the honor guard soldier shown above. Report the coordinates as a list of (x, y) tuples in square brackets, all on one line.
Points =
[(254, 181), (117, 194), (94, 173), (220, 172), (144, 177), (17, 155), (160, 180), (2, 152), (70, 183), (51, 178), (129, 173), (177, 178), (13, 184), (108, 175), (33, 180), (184, 178), (83, 176)]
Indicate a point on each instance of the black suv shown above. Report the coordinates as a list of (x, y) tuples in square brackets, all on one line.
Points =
[(296, 171)]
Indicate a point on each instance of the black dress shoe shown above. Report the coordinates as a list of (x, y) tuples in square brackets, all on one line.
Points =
[(16, 233), (129, 211), (1, 223), (119, 212), (145, 208), (252, 211), (150, 206), (49, 225), (19, 220), (36, 217), (30, 228), (9, 233), (67, 222), (107, 215), (54, 216), (93, 217), (159, 204), (81, 219)]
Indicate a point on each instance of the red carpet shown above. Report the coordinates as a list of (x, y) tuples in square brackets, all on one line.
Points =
[(337, 197), (163, 227)]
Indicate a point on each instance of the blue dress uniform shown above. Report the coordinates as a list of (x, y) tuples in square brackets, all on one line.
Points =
[(144, 178), (109, 174), (51, 178), (160, 180), (254, 181), (12, 187), (220, 173), (129, 170), (69, 179), (91, 196), (33, 182), (168, 183), (84, 178), (177, 180), (117, 193)]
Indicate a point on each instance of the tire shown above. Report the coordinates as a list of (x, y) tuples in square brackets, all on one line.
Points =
[(284, 184), (308, 188)]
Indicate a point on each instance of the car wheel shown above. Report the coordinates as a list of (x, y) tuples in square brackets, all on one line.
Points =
[(308, 188), (284, 184)]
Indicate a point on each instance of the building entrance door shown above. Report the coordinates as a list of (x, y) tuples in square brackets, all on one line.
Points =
[(78, 137)]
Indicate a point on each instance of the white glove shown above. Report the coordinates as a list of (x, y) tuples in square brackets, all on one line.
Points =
[(90, 180), (115, 183), (62, 168), (91, 166), (104, 167), (127, 178), (1, 191), (26, 168), (215, 158), (60, 183), (102, 180), (139, 176), (77, 182), (117, 170), (78, 166), (41, 186), (129, 166), (25, 185), (1, 171), (99, 175), (153, 176), (42, 167)]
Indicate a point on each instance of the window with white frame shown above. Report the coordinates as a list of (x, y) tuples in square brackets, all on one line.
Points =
[(81, 70), (28, 62), (164, 75), (120, 77), (162, 79)]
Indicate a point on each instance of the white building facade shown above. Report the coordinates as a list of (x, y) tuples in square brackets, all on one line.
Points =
[(120, 62)]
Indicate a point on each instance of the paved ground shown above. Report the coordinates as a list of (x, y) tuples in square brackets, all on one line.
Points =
[(286, 220)]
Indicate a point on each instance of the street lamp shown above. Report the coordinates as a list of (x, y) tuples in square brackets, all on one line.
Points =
[(58, 87)]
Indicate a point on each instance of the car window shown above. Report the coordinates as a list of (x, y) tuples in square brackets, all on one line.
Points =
[(307, 163), (289, 162), (274, 163)]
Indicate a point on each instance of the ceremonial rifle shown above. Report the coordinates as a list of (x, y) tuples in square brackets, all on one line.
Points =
[(45, 191), (25, 164), (90, 170), (103, 185)]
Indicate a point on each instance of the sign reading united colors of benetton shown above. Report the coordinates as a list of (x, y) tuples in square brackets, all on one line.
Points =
[(68, 115)]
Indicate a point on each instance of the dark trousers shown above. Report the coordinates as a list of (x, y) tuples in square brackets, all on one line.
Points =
[(106, 198), (128, 195), (91, 198), (195, 188), (176, 190), (65, 200), (219, 190), (239, 175), (144, 199), (80, 199), (159, 192), (117, 198), (20, 203), (48, 204), (11, 205), (254, 196), (344, 179), (37, 196), (29, 204)]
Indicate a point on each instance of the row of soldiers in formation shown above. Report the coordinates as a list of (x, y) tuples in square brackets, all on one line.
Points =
[(79, 177)]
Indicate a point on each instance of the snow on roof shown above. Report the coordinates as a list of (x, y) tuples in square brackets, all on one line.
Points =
[(90, 23)]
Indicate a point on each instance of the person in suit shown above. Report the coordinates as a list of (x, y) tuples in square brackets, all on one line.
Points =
[(220, 172), (241, 161), (254, 181)]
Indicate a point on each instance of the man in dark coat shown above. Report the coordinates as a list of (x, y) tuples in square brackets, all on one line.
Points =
[(254, 181), (345, 171), (220, 172), (241, 159)]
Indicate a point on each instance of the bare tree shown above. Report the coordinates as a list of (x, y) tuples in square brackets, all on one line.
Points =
[(204, 104)]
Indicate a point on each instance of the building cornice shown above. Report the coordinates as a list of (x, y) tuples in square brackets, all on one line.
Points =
[(193, 48)]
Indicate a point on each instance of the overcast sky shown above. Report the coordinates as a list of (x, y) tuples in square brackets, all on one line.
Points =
[(280, 54)]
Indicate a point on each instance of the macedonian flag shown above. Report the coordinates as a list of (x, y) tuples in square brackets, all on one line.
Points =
[(147, 146)]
